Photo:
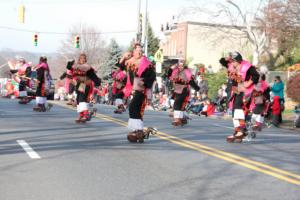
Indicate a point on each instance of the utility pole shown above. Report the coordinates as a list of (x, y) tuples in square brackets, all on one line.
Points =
[(138, 33), (146, 30)]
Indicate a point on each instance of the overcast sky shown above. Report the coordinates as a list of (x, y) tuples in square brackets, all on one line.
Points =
[(60, 15)]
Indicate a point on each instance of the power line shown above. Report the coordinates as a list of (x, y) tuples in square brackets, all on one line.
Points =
[(64, 33), (71, 2)]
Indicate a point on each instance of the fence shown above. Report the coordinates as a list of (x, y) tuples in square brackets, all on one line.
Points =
[(284, 75)]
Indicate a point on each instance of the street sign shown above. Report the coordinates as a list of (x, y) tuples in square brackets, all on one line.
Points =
[(158, 56)]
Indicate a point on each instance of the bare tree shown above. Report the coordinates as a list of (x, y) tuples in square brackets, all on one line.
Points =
[(234, 21), (270, 26), (281, 21), (91, 43)]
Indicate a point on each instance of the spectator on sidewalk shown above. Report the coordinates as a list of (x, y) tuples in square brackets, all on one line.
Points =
[(278, 90), (276, 111), (208, 109), (221, 99), (203, 85)]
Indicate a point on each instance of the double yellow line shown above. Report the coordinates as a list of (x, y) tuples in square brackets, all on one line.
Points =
[(254, 165)]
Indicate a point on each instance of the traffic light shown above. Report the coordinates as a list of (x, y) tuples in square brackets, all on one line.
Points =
[(21, 13), (35, 39), (77, 41)]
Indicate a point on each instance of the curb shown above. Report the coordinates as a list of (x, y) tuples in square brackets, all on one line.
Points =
[(280, 126)]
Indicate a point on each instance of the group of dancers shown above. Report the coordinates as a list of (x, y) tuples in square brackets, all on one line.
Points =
[(22, 74), (133, 79), (248, 93)]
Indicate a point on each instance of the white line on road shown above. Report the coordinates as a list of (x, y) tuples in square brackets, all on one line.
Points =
[(223, 126), (31, 153)]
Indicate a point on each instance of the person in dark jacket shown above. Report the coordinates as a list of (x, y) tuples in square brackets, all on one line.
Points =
[(243, 76), (182, 79), (140, 78), (43, 84), (86, 80)]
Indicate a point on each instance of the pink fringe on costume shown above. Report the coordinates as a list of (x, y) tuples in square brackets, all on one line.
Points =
[(24, 67), (43, 65), (128, 88), (114, 88), (117, 75), (114, 74), (245, 65), (187, 73), (67, 85), (144, 64), (264, 85), (67, 81)]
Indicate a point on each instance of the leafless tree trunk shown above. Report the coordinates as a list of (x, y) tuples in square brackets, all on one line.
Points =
[(91, 43), (234, 22), (281, 21)]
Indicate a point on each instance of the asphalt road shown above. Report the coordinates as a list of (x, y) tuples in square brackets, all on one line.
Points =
[(67, 161)]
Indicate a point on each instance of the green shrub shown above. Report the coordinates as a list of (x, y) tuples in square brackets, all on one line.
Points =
[(215, 81)]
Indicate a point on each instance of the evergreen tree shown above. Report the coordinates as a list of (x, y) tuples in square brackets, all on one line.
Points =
[(130, 47), (153, 42), (114, 54)]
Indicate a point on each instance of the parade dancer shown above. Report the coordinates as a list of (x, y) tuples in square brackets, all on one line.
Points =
[(86, 79), (243, 76), (69, 86), (43, 85), (22, 75), (140, 78), (182, 79), (119, 77), (260, 103)]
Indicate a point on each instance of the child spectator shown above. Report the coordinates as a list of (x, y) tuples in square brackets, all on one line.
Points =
[(276, 111), (208, 109)]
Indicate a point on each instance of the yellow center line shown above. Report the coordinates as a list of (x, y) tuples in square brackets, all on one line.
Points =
[(233, 158), (213, 152), (236, 157)]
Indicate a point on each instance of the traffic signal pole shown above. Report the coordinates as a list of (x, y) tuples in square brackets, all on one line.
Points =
[(35, 39)]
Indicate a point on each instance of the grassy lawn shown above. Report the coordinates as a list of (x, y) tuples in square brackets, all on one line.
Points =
[(288, 112)]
